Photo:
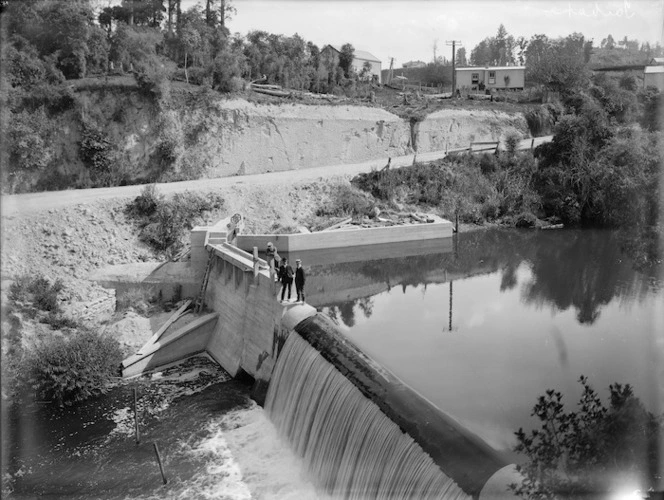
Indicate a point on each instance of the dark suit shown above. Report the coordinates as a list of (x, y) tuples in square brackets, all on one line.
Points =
[(300, 278)]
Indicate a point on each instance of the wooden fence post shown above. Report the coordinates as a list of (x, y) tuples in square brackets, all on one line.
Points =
[(138, 437), (161, 467)]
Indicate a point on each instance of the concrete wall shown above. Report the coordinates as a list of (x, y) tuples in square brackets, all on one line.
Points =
[(165, 281), (346, 237), (249, 318), (188, 341)]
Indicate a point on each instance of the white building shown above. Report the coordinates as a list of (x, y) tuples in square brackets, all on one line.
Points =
[(653, 76), (491, 77), (360, 57)]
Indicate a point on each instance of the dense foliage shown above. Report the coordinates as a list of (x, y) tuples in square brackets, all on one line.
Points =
[(49, 41), (164, 223), (69, 363), (72, 368), (590, 450)]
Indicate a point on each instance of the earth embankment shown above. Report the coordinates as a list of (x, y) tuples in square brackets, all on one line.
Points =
[(134, 138)]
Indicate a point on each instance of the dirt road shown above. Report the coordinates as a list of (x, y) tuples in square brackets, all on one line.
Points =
[(35, 202)]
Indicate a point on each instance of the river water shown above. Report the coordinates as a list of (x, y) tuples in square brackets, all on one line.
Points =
[(480, 325), (485, 325)]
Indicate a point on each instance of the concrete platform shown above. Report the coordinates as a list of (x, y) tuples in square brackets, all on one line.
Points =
[(324, 240)]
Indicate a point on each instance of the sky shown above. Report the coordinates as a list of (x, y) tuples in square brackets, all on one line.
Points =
[(408, 29)]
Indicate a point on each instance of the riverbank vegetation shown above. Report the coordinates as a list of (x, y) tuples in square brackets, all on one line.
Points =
[(61, 360), (592, 450), (602, 169), (164, 223)]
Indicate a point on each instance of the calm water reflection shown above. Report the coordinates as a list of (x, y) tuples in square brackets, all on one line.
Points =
[(483, 326)]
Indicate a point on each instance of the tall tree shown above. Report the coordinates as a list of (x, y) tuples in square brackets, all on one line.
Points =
[(521, 46), (481, 54), (190, 39), (226, 10), (608, 43), (346, 58), (461, 57), (560, 67)]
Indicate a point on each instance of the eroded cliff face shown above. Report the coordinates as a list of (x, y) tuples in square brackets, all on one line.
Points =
[(210, 136), (244, 138), (457, 128)]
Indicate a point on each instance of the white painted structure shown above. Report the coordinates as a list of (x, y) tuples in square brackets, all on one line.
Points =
[(360, 57), (653, 76), (492, 77)]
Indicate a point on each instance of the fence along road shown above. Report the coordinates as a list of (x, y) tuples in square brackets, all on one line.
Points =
[(18, 204)]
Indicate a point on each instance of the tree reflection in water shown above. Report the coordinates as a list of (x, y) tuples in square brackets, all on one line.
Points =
[(579, 269)]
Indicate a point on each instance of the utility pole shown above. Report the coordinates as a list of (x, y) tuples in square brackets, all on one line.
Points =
[(453, 44), (390, 73)]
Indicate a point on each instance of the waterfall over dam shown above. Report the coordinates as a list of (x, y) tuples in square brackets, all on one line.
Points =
[(362, 433), (349, 446), (365, 434)]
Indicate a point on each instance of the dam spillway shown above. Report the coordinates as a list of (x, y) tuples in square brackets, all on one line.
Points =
[(349, 446), (381, 439)]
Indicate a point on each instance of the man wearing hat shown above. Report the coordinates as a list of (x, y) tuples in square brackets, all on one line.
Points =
[(299, 280)]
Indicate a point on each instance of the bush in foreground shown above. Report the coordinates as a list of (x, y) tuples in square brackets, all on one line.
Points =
[(581, 452), (72, 368)]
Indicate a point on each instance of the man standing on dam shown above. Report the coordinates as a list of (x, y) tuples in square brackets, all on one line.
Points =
[(286, 277), (300, 278)]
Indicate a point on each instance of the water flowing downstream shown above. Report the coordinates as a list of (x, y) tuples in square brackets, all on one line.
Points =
[(349, 446)]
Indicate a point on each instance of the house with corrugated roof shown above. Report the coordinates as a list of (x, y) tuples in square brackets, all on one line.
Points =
[(359, 59), (656, 61)]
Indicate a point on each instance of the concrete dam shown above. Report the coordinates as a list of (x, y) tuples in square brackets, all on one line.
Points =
[(361, 432)]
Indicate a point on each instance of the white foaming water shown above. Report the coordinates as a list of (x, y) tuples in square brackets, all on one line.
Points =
[(244, 459), (349, 446)]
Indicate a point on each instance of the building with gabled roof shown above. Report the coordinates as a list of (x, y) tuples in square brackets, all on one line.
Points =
[(360, 57)]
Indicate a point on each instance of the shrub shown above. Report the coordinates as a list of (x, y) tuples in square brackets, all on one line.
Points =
[(578, 452), (346, 201), (145, 204), (37, 291), (29, 147), (512, 140), (651, 101), (488, 163), (99, 155), (72, 368), (55, 99), (525, 220), (58, 321), (539, 121), (138, 299), (153, 76), (164, 223)]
